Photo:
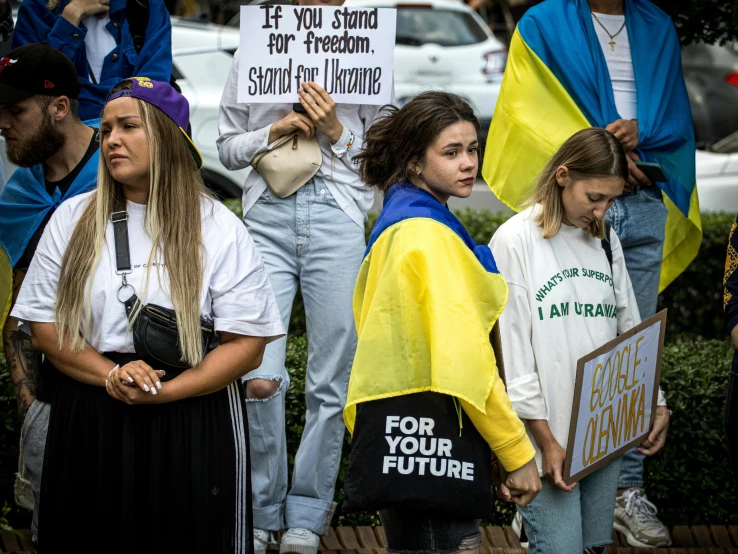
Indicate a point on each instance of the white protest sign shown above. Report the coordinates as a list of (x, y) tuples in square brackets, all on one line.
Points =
[(347, 51), (615, 398)]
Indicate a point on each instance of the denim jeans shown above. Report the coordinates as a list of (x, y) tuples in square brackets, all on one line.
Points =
[(306, 240), (411, 532), (639, 219), (559, 522)]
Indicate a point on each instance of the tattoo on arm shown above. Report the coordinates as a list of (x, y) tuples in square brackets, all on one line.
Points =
[(23, 359), (23, 363)]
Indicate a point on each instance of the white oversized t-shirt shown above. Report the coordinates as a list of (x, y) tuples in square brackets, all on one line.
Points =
[(619, 63), (236, 293), (564, 302)]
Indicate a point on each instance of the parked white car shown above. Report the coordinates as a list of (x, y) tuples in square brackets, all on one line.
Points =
[(445, 45), (202, 54), (717, 176)]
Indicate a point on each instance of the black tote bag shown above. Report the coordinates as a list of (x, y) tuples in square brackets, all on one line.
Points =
[(418, 451)]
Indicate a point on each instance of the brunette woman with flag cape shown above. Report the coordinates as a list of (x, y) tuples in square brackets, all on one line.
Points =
[(426, 405)]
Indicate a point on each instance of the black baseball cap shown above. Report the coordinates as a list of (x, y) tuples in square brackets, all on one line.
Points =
[(37, 69)]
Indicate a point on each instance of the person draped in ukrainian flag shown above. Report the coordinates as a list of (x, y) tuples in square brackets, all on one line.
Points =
[(613, 64), (425, 302), (558, 81)]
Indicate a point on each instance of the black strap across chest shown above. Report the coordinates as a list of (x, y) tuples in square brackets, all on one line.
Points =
[(120, 232)]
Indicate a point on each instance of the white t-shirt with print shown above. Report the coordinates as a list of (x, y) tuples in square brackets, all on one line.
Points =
[(236, 293), (564, 302)]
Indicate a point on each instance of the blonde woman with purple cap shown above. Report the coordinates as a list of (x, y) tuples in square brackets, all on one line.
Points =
[(151, 302)]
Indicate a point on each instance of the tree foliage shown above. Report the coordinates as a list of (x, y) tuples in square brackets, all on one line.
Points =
[(706, 21)]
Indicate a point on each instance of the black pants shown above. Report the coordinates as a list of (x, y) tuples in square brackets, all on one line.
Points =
[(414, 532)]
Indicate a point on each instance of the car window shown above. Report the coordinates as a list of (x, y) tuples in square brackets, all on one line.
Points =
[(728, 145), (418, 26)]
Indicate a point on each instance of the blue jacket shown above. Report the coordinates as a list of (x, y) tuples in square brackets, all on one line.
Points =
[(36, 23)]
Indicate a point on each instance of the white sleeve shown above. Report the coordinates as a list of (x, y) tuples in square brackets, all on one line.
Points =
[(237, 146), (37, 297), (628, 314), (243, 300), (516, 332)]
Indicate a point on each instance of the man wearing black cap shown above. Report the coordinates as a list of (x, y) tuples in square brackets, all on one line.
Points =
[(58, 156)]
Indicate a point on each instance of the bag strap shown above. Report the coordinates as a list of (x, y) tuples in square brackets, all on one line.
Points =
[(123, 254), (120, 232), (606, 246), (137, 14)]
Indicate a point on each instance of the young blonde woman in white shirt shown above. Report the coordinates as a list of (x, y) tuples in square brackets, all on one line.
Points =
[(566, 299)]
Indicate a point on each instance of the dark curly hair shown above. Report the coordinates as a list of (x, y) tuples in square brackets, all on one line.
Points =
[(401, 136)]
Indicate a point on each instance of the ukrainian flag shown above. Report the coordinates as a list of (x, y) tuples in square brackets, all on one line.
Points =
[(425, 301), (557, 83), (24, 205)]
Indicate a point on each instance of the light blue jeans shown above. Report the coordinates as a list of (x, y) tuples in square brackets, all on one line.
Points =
[(306, 240), (639, 219), (559, 522)]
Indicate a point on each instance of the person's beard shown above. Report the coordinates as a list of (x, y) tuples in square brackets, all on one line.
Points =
[(46, 141)]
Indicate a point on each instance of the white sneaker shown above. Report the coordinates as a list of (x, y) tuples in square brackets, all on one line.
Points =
[(262, 538), (635, 517), (299, 541)]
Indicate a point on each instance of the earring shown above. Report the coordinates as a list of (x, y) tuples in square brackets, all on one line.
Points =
[(417, 171)]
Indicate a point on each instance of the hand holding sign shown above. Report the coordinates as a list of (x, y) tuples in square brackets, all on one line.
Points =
[(321, 109), (657, 438)]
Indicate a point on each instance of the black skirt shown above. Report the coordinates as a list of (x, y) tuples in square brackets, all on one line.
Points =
[(146, 479)]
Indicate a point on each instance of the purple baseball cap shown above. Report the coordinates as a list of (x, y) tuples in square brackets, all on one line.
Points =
[(163, 96)]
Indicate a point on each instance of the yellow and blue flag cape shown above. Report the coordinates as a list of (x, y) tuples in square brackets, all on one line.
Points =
[(24, 204), (557, 83), (425, 301)]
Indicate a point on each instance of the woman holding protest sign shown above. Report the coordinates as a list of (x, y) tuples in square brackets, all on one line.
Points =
[(309, 228), (426, 406), (125, 295), (570, 293)]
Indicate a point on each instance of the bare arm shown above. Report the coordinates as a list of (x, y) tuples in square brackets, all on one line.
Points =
[(552, 454), (22, 358), (87, 366)]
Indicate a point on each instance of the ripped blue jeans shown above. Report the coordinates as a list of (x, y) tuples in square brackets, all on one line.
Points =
[(305, 239)]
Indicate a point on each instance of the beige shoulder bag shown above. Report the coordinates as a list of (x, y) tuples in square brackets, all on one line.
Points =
[(293, 161)]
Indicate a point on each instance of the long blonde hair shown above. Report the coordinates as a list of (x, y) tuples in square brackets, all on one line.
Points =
[(173, 221), (587, 154)]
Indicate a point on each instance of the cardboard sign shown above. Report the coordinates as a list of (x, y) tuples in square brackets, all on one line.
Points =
[(347, 51), (615, 398)]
